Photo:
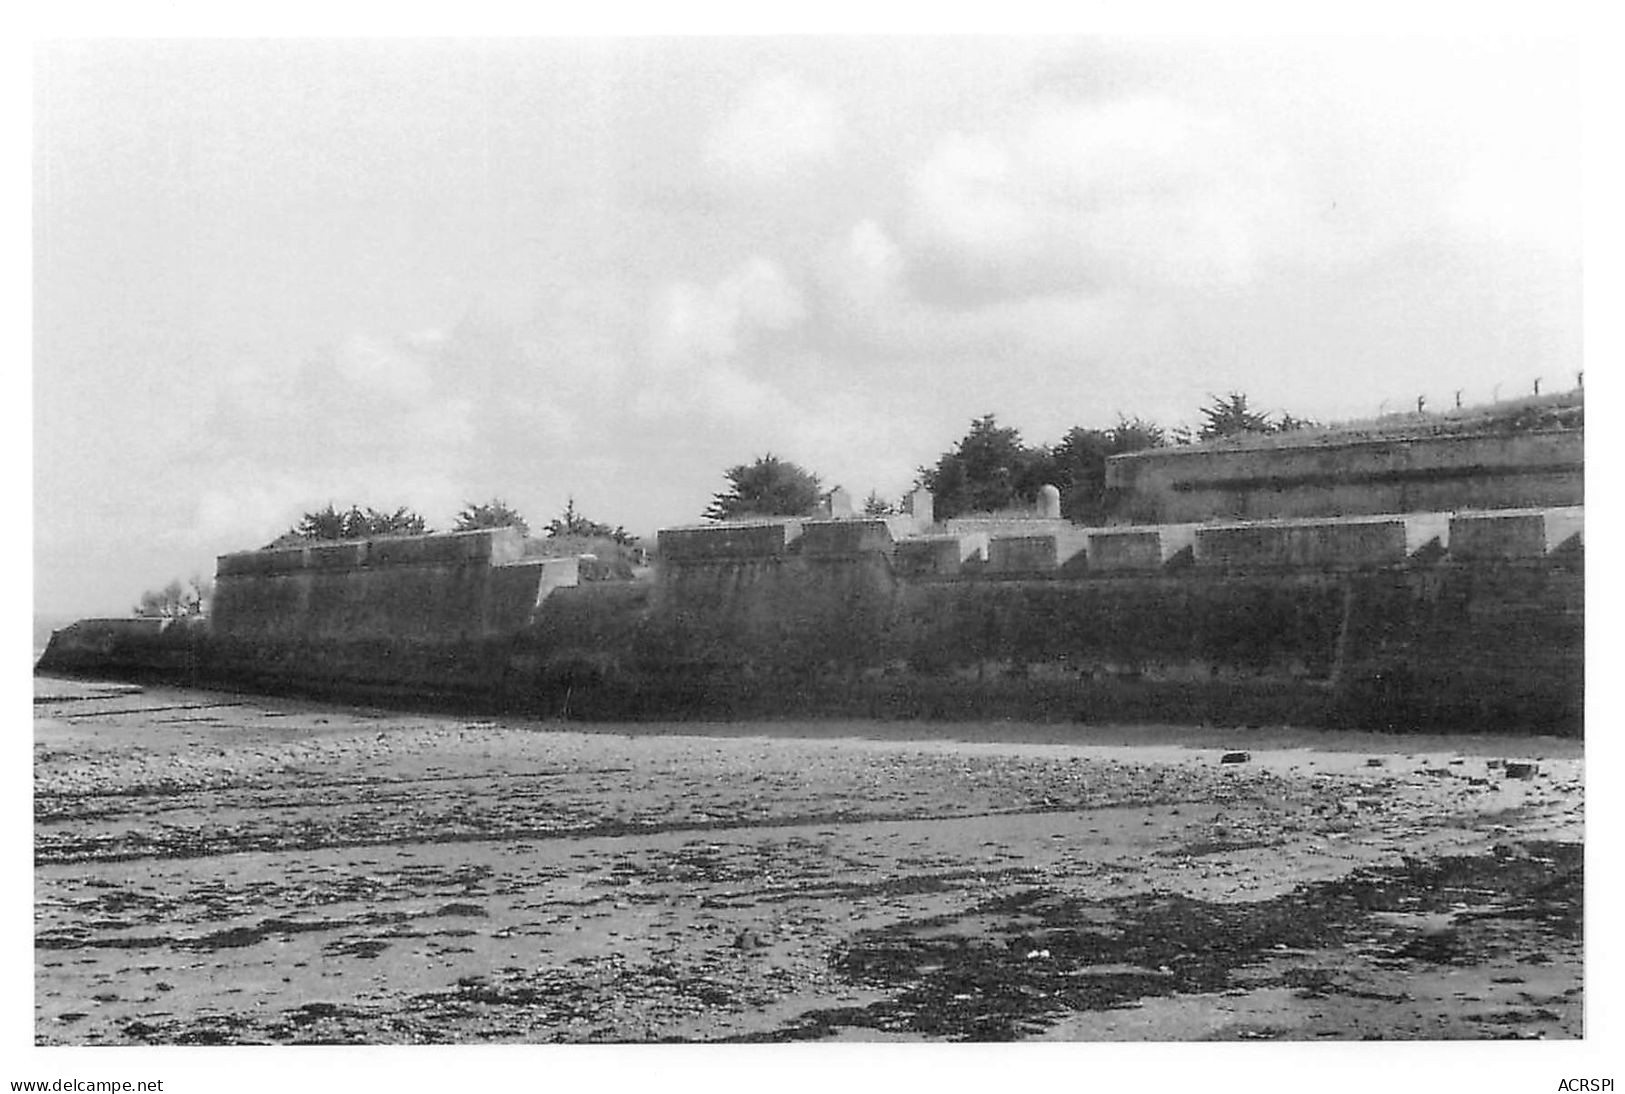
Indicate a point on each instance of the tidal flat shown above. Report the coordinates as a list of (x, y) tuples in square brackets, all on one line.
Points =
[(214, 868)]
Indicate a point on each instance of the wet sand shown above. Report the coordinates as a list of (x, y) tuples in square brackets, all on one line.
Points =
[(221, 869)]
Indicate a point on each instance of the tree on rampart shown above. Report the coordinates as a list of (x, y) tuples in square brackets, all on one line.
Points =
[(1230, 416), (355, 523), (175, 599), (1134, 435), (495, 513), (988, 470), (768, 487), (572, 523), (876, 506), (1077, 465)]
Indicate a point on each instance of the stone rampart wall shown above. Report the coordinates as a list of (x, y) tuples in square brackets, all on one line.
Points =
[(1348, 478), (1516, 533), (845, 537), (449, 588), (1327, 545), (939, 555), (1424, 641), (1416, 620), (727, 540)]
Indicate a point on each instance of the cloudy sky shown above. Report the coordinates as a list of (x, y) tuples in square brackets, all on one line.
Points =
[(271, 275)]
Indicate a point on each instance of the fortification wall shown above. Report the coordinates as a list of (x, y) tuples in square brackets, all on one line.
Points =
[(1446, 645), (1466, 620), (1327, 544), (1515, 533), (755, 539), (1348, 478), (437, 589), (939, 555), (122, 648), (1369, 621), (1144, 548), (1317, 543), (769, 613)]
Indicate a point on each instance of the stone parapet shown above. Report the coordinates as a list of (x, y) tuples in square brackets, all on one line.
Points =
[(1515, 533), (1022, 554), (495, 546), (938, 554), (491, 546), (1344, 476), (1331, 544), (756, 539), (846, 537), (1139, 548), (1038, 551), (436, 588), (1007, 524)]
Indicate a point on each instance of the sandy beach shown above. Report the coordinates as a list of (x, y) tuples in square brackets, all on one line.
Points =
[(222, 869)]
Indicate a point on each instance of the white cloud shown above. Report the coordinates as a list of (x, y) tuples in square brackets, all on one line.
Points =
[(725, 391), (968, 198), (766, 298), (873, 259), (859, 278), (706, 343), (371, 421), (1530, 198), (863, 269), (688, 323), (869, 300), (694, 324), (246, 506), (397, 368), (251, 510), (546, 419), (1145, 192), (780, 125)]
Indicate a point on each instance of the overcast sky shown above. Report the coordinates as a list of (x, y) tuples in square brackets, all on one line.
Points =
[(271, 275)]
